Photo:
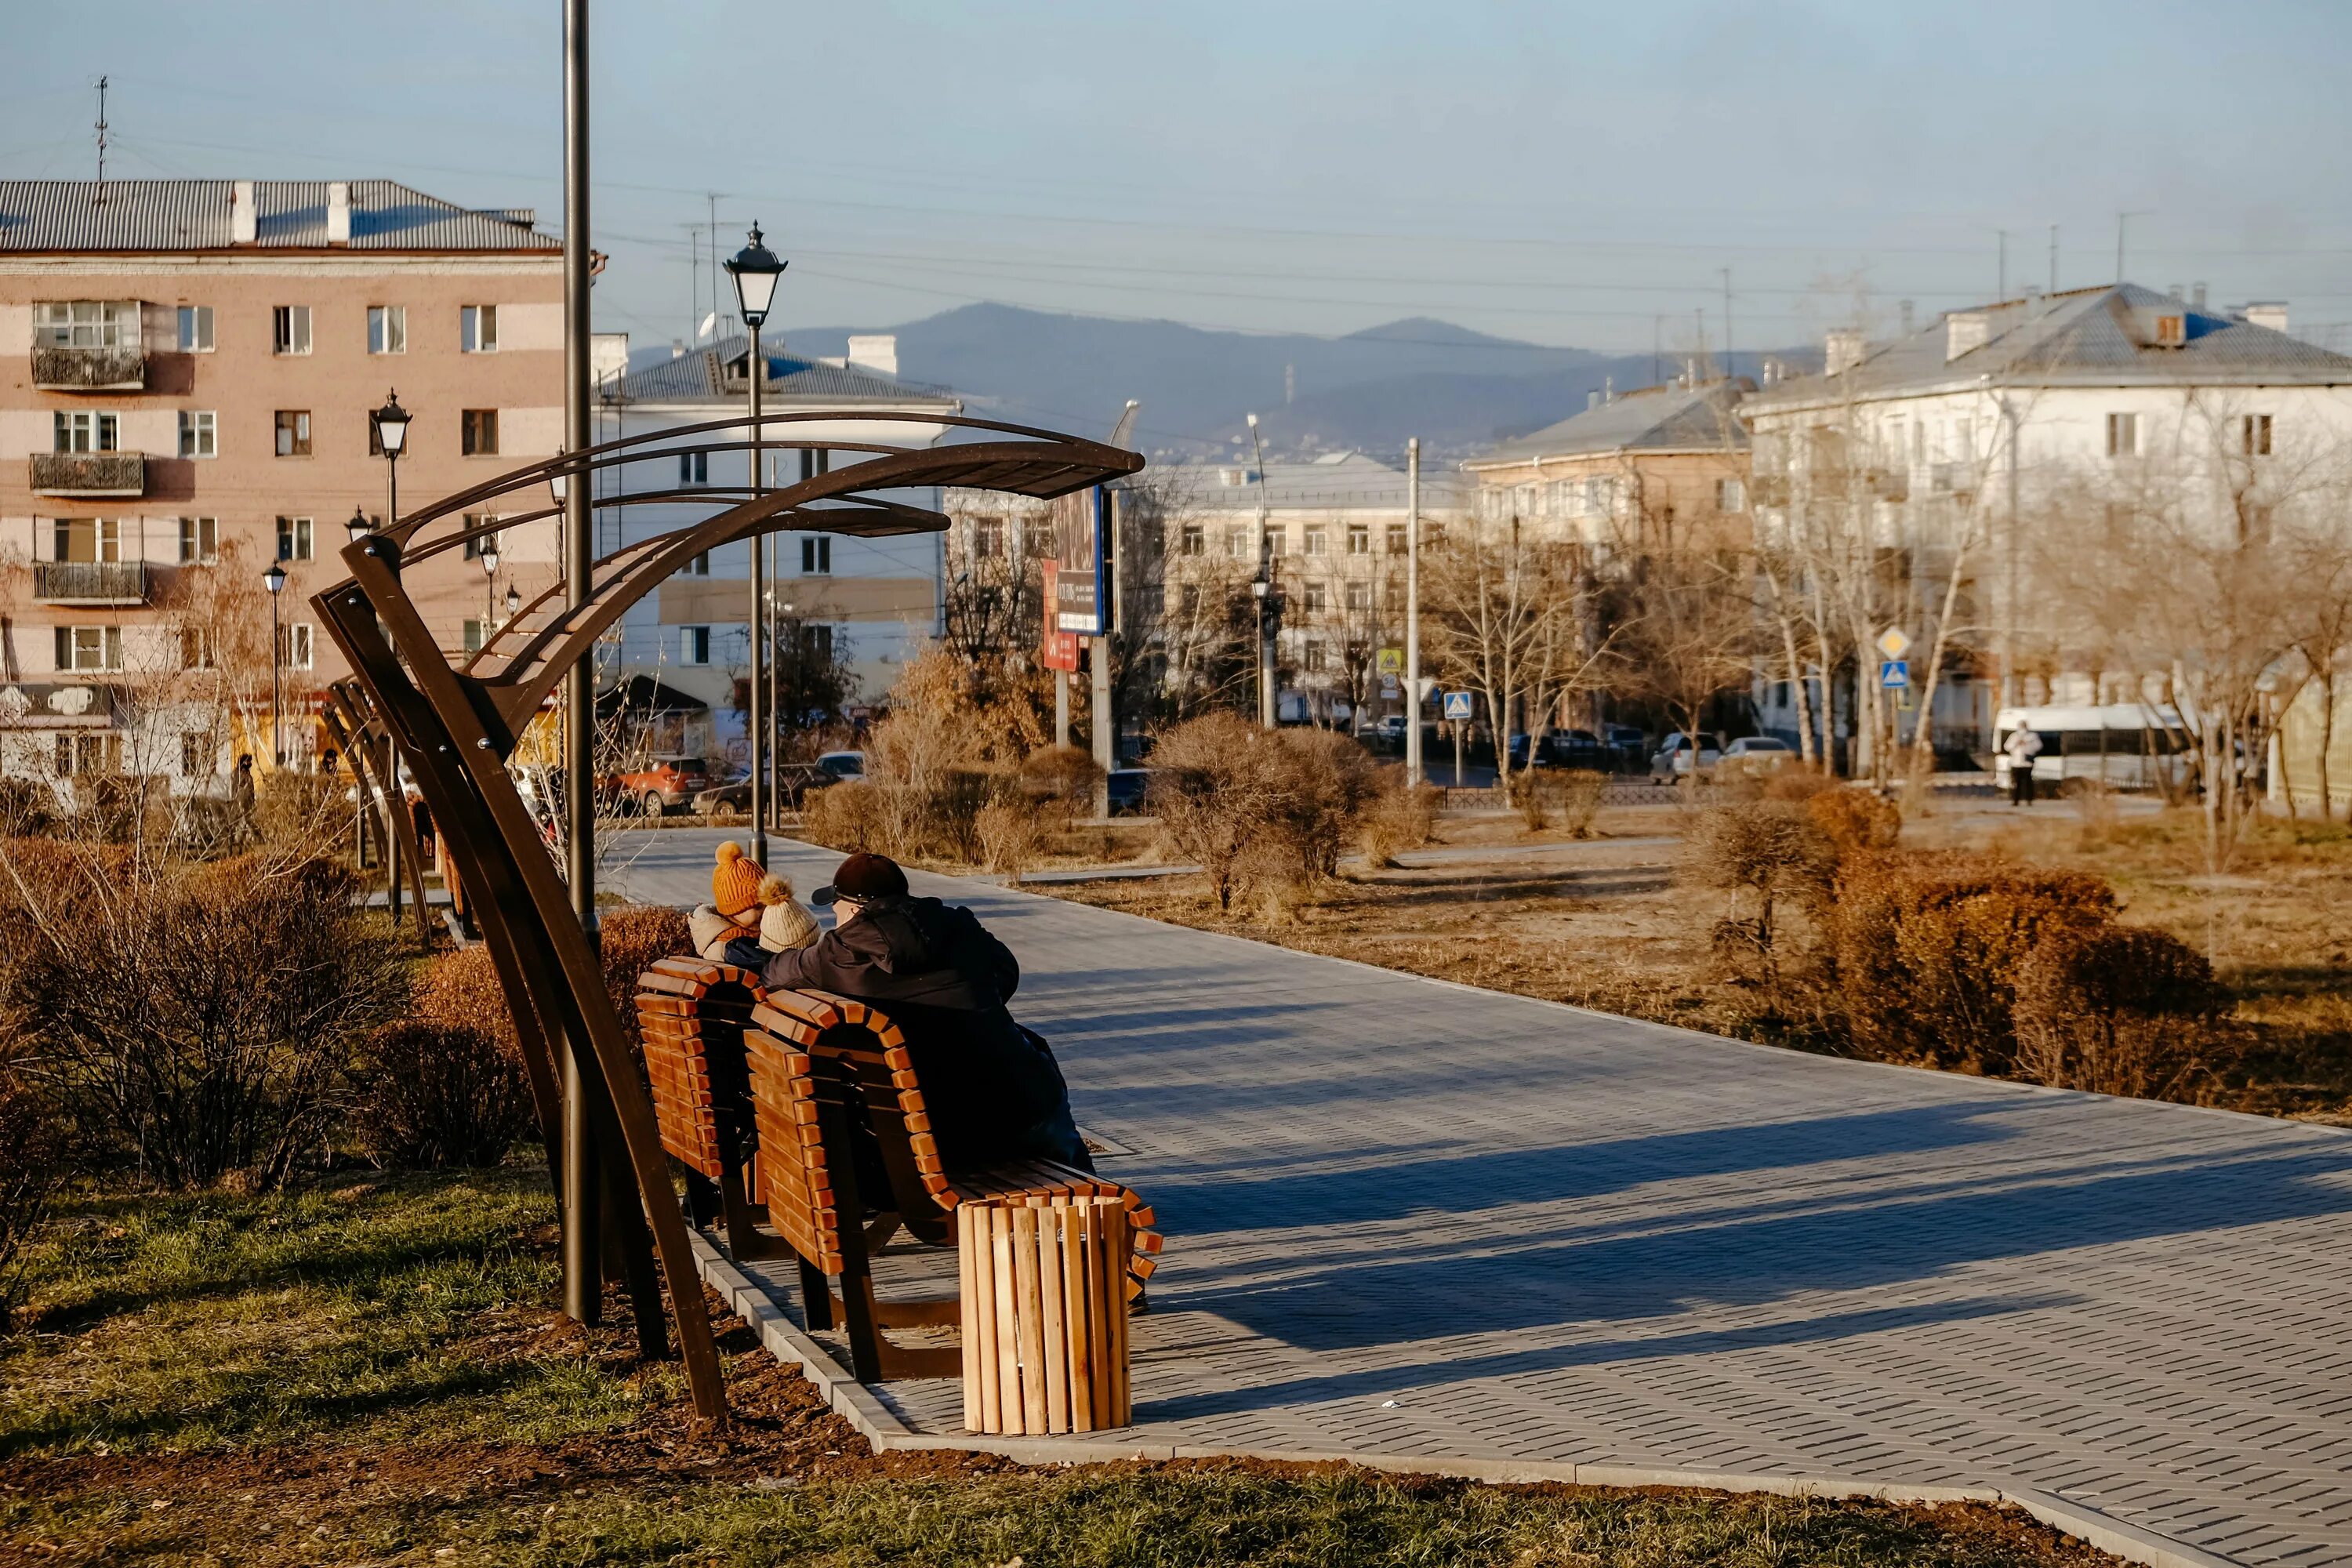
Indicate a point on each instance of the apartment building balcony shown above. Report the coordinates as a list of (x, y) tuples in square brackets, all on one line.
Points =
[(92, 474), (1890, 484), (121, 585), (89, 369)]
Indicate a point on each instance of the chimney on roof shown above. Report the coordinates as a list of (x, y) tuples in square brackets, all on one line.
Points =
[(2271, 314), (338, 212), (1842, 351), (1593, 400), (1906, 307), (2176, 294), (2197, 296), (1608, 389), (678, 348), (877, 352), (1964, 332), (244, 226)]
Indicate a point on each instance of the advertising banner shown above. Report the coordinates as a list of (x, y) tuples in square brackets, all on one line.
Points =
[(1061, 650), (1081, 597)]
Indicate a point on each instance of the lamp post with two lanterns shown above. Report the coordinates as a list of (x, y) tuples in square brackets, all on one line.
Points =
[(755, 269), (391, 423), (275, 581)]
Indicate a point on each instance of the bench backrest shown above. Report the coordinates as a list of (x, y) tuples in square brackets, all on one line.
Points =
[(692, 1013)]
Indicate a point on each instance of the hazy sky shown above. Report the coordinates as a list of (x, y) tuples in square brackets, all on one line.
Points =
[(1566, 173)]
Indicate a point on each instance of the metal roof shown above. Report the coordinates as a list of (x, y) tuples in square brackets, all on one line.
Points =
[(1675, 418), (698, 376), (1339, 482), (2100, 336), (146, 216)]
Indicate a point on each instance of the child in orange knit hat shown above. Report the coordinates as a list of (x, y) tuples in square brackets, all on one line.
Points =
[(734, 908)]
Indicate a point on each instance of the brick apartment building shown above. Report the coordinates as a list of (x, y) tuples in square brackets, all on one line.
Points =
[(188, 370)]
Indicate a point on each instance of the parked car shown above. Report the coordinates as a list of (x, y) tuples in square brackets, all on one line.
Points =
[(1677, 758), (1753, 756), (664, 784), (842, 765), (1126, 788), (1628, 745), (1580, 749)]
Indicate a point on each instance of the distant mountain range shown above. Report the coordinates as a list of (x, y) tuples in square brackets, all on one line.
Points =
[(1458, 390)]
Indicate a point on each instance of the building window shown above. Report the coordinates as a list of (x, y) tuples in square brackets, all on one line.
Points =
[(474, 547), (694, 645), (199, 754), (2254, 431), (1191, 540), (86, 539), (199, 541), (294, 539), (195, 329), (694, 467), (1237, 541), (89, 648), (697, 567), (1360, 539), (469, 633), (1189, 600), (387, 329), (2122, 434), (1314, 541), (196, 649), (477, 433), (816, 553), (297, 646), (199, 432), (290, 329), (1313, 656), (1730, 495), (988, 537), (1275, 544), (83, 430), (86, 754), (1398, 541), (86, 324), (1360, 596), (1314, 598), (293, 432), (1392, 595), (478, 329)]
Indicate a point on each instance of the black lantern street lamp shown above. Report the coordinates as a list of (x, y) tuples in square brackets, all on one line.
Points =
[(392, 435), (514, 602), (755, 269), (359, 525), (275, 581)]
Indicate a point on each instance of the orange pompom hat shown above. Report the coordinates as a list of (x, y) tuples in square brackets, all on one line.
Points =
[(735, 881)]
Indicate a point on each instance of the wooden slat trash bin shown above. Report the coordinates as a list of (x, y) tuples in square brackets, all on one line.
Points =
[(1043, 1294)]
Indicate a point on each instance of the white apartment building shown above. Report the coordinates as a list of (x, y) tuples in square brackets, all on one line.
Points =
[(1966, 436)]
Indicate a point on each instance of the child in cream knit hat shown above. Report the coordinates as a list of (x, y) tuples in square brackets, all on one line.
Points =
[(784, 923)]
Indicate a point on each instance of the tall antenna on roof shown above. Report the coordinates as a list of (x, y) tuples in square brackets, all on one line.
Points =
[(101, 139)]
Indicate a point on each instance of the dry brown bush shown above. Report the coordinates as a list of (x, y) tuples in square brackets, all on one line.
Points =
[(32, 1164), (1323, 784), (1208, 791), (2121, 1010), (1403, 817), (1799, 782), (1535, 794), (1855, 820), (847, 816), (1061, 777), (1580, 794), (1011, 831), (632, 938), (460, 990), (1928, 951), (430, 1096), (1766, 855)]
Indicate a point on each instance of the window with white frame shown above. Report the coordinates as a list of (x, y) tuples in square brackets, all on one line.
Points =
[(1318, 540), (700, 566), (86, 324), (290, 331), (988, 537), (294, 535), (89, 647), (1596, 495), (87, 754), (293, 432), (1193, 541), (469, 634), (1275, 540), (1360, 539), (2122, 434), (199, 754), (199, 541), (477, 328), (1314, 598), (1237, 541), (1360, 596), (195, 329), (199, 432), (86, 430), (693, 469), (2254, 435), (87, 539), (1730, 495), (478, 544), (1314, 657), (816, 553), (196, 649), (297, 646), (1399, 539), (694, 645), (387, 329)]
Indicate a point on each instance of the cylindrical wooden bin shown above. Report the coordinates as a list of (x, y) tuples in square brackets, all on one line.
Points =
[(1044, 1313)]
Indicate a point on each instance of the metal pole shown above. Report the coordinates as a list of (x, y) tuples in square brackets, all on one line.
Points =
[(2010, 687), (1265, 648), (755, 721), (1105, 722), (394, 801), (1412, 769), (277, 658), (584, 1292)]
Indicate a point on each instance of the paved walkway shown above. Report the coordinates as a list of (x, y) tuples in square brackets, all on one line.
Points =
[(1406, 1217)]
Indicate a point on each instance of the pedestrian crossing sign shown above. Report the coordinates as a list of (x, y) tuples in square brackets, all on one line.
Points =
[(1458, 705), (1894, 674)]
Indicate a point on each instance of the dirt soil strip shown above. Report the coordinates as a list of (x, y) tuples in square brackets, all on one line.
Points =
[(857, 1404)]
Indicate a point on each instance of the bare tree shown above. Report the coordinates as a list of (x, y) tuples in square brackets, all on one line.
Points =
[(1502, 614)]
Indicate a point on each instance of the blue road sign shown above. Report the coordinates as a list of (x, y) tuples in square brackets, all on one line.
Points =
[(1895, 673), (1458, 705)]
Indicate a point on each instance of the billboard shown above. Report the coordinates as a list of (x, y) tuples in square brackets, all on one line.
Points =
[(1061, 650), (1082, 589)]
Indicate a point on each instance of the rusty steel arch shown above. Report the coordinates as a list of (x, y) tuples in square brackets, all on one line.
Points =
[(457, 723)]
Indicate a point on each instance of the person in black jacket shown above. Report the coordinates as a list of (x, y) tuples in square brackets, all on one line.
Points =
[(993, 1089)]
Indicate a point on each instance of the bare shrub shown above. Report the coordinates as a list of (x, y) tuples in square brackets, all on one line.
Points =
[(1061, 777), (1010, 830), (2094, 805), (1766, 855), (1929, 952), (460, 990), (1268, 810), (1580, 794), (1207, 795), (1855, 820), (198, 1020), (1323, 782), (849, 815), (1799, 782), (32, 1163), (430, 1096), (1402, 817), (1533, 793), (304, 812), (27, 808), (630, 939), (2120, 1010)]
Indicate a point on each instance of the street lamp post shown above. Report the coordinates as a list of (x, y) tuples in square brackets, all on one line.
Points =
[(755, 269), (275, 581), (1412, 612), (1263, 588), (392, 435), (490, 585)]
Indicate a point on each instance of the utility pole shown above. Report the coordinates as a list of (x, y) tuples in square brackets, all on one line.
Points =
[(583, 1285), (1412, 769), (1105, 722), (1263, 591), (1727, 324), (101, 140), (2001, 289), (2054, 258)]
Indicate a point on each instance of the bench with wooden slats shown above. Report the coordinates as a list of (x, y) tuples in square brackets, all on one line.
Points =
[(853, 1062), (692, 1013)]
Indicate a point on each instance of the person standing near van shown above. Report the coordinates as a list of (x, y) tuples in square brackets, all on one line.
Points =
[(2024, 746)]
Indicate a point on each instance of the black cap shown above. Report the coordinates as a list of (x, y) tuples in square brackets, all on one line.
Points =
[(862, 877)]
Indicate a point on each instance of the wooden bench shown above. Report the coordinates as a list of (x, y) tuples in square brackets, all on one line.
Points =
[(818, 1073)]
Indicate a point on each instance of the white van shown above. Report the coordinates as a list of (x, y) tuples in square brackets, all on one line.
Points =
[(2125, 745)]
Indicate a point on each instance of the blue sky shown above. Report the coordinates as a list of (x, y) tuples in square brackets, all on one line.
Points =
[(1566, 173)]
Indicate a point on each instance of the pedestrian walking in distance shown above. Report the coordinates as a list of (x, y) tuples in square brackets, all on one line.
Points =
[(2024, 746)]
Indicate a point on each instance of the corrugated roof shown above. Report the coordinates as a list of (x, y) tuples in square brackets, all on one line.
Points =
[(143, 215), (2099, 336), (698, 376), (1655, 418), (1336, 485)]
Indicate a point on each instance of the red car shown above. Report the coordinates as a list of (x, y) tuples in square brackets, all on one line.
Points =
[(661, 786)]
